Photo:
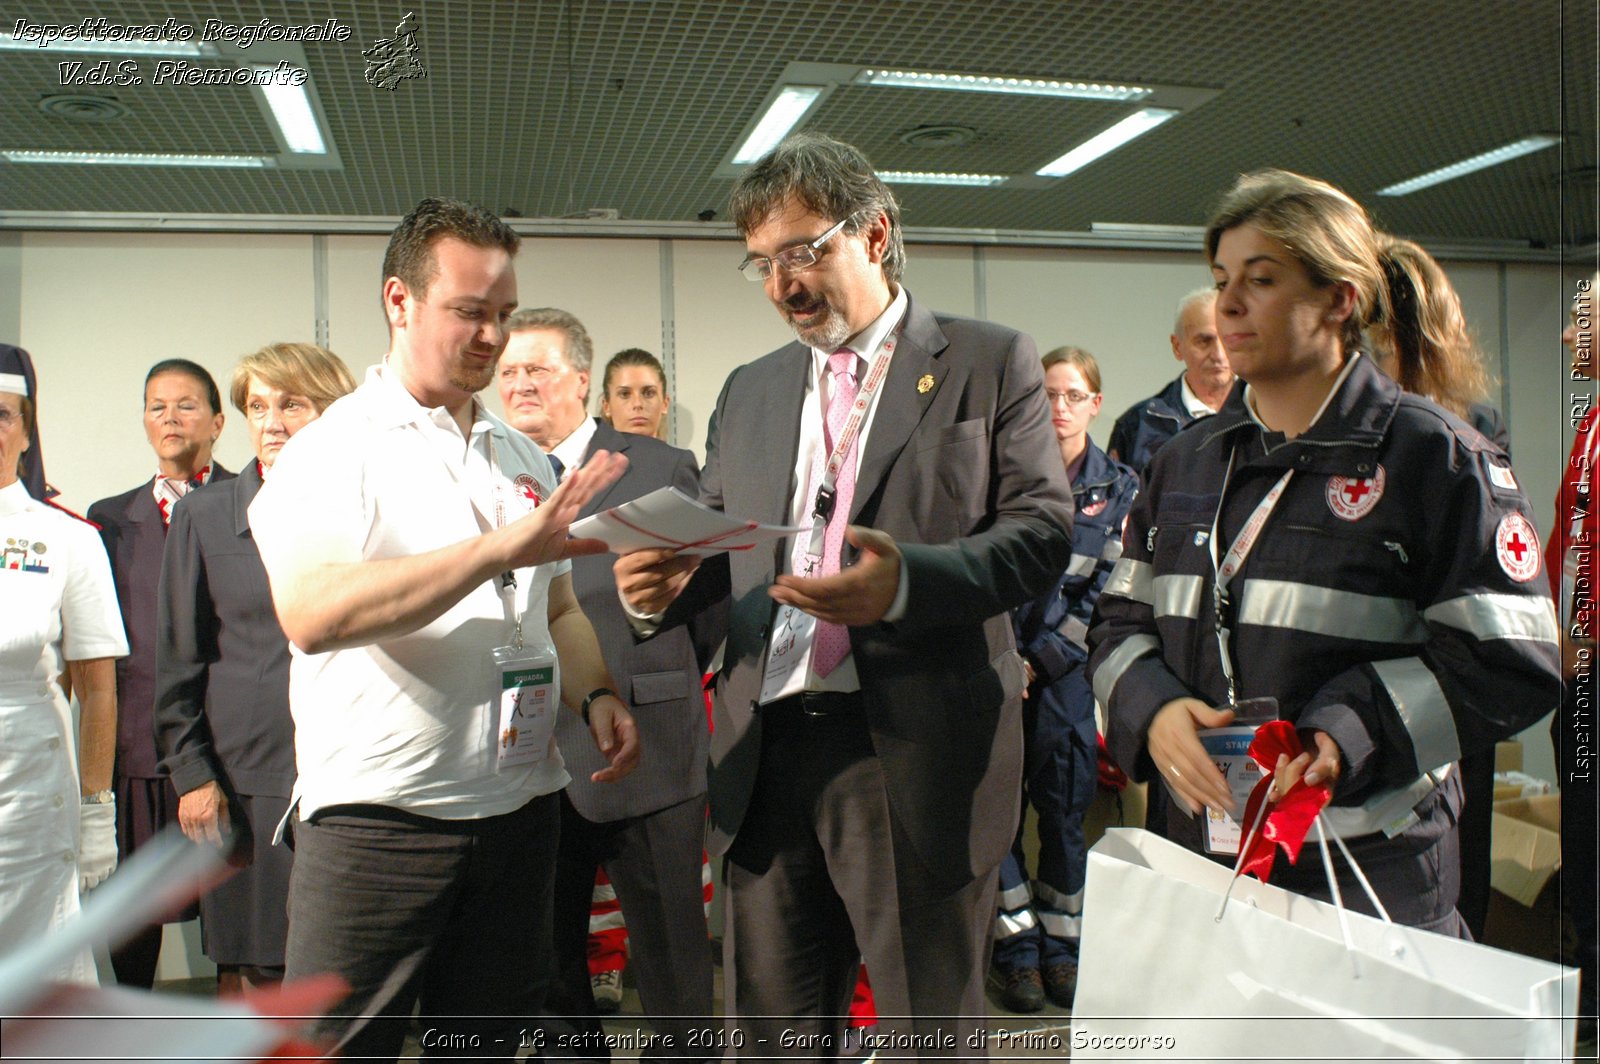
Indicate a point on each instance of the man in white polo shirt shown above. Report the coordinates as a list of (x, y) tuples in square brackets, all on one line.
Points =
[(417, 550)]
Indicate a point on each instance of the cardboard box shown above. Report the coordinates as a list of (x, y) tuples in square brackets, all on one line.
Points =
[(1526, 846), (1508, 756)]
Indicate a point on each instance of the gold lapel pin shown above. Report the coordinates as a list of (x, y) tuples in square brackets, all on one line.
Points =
[(925, 384)]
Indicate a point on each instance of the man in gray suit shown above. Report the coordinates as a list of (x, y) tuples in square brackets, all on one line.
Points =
[(648, 830), (866, 760)]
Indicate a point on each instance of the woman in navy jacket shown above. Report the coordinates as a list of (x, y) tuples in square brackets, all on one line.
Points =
[(1388, 596), (1037, 930), (222, 721)]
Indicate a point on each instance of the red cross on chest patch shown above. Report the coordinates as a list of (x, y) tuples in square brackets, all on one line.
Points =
[(528, 488), (1352, 498), (1516, 547)]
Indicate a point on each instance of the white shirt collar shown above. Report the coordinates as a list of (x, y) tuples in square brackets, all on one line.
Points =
[(570, 451), (1192, 402), (866, 342), (403, 408)]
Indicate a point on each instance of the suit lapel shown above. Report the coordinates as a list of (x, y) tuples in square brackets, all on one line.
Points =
[(776, 447), (244, 493), (915, 374), (605, 438), (143, 509)]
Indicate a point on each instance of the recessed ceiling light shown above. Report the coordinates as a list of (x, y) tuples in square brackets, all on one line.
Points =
[(1077, 90), (125, 158), (103, 46), (292, 110), (1137, 124), (1505, 153), (786, 111), (918, 177)]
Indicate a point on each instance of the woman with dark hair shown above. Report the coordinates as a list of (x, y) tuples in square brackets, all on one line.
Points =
[(222, 721), (182, 420), (1354, 552), (59, 617)]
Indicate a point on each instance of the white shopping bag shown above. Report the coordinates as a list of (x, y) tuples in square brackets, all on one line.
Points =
[(1162, 976)]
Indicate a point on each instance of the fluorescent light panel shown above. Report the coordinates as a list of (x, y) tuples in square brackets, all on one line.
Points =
[(1077, 90), (1505, 153), (124, 158), (1135, 125), (292, 110), (920, 177), (788, 108), (103, 47)]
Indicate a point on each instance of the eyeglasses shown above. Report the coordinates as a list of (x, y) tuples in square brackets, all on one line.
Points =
[(793, 259), (1070, 398), (7, 418)]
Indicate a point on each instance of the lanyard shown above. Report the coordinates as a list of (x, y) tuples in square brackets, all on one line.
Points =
[(508, 580), (822, 509), (1225, 568)]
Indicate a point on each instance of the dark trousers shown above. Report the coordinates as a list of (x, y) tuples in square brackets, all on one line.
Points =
[(653, 862), (454, 914), (1477, 821), (820, 878), (1043, 926)]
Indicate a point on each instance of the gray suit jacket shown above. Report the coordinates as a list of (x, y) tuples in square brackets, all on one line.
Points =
[(659, 679), (961, 467)]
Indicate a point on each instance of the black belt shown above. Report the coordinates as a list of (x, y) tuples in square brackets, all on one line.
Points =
[(820, 704)]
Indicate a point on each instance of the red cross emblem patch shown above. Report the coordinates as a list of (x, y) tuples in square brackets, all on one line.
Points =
[(1352, 498), (528, 488), (1516, 547)]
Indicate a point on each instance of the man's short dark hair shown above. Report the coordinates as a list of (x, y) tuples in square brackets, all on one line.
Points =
[(829, 178), (409, 255), (188, 369), (580, 349)]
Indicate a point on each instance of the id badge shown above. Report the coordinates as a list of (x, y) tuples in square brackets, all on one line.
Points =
[(529, 701), (1230, 751), (787, 654)]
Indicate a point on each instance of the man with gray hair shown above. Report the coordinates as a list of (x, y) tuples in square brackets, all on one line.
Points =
[(648, 830), (1198, 392), (866, 759)]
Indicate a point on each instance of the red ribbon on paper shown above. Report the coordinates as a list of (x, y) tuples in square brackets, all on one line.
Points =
[(1292, 815)]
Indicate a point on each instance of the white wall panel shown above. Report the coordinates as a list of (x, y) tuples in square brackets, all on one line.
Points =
[(98, 309)]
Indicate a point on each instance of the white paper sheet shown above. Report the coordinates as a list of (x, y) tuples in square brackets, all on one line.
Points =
[(667, 518)]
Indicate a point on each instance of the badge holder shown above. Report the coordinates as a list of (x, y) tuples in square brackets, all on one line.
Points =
[(1229, 748), (530, 698)]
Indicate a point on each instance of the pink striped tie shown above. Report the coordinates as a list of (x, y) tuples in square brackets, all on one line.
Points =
[(832, 641)]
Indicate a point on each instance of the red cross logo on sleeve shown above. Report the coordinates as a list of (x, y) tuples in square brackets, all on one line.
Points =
[(1352, 498), (1516, 547)]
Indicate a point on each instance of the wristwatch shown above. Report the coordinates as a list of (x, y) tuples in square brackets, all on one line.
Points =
[(98, 798), (598, 692)]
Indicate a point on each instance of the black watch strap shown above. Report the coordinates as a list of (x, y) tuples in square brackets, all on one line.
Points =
[(598, 692)]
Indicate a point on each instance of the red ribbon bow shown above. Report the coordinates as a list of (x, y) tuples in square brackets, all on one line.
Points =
[(1292, 815)]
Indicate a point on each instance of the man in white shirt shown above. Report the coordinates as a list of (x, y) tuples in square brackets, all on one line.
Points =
[(1198, 392), (417, 551), (866, 759), (648, 831)]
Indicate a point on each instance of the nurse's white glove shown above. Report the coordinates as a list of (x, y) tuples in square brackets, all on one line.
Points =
[(97, 843)]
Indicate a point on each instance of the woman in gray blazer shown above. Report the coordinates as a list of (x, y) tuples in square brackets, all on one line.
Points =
[(222, 671)]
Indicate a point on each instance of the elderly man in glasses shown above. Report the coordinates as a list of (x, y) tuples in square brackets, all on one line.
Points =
[(866, 758)]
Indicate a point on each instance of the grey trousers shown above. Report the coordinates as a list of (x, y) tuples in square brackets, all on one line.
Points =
[(454, 914), (821, 878)]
